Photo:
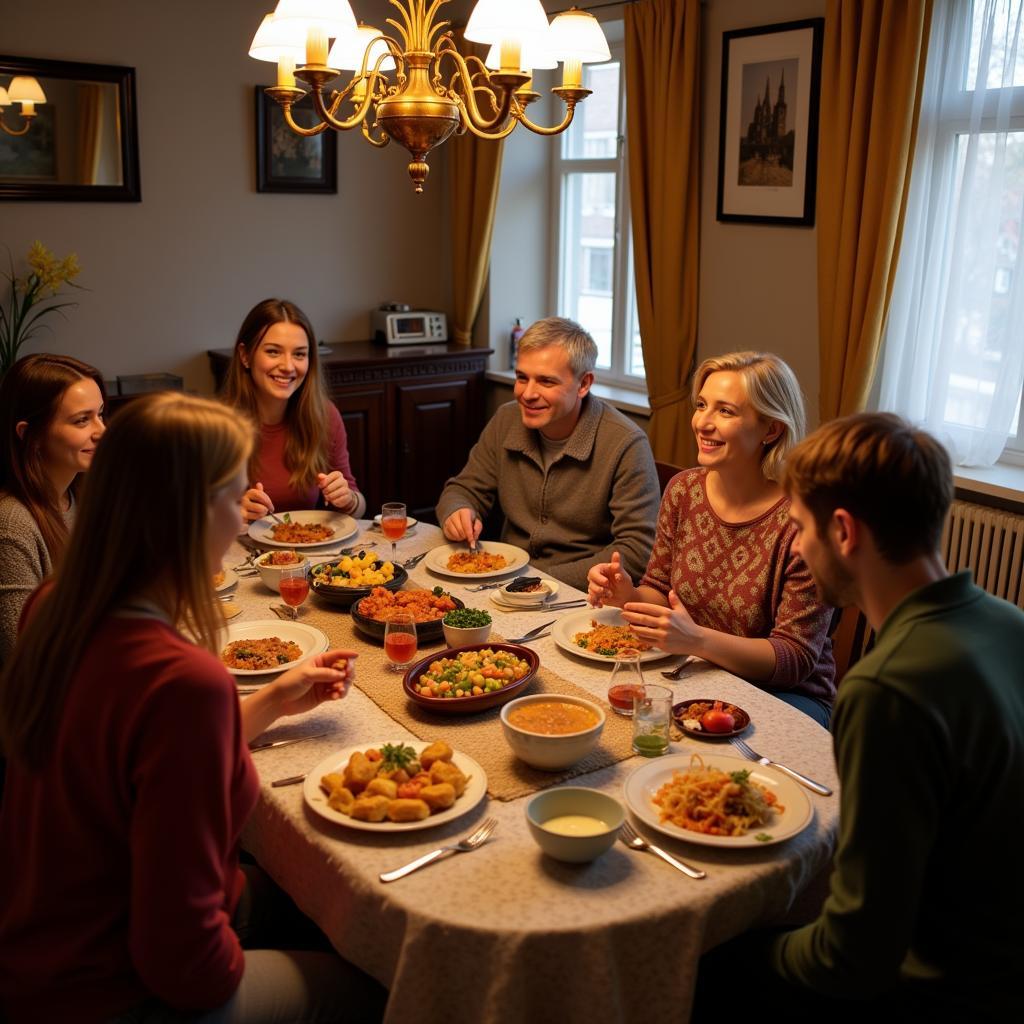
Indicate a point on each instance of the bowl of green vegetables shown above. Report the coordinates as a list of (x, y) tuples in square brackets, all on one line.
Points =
[(465, 626)]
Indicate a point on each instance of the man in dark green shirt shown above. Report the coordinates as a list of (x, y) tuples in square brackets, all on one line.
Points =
[(927, 895)]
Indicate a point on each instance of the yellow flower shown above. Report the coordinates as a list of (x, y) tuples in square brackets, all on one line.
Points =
[(50, 271)]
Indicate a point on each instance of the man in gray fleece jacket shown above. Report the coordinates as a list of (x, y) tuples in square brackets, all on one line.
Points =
[(574, 478)]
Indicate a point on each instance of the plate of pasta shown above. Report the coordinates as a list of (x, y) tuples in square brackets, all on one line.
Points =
[(490, 561), (717, 800), (333, 787), (597, 633), (306, 529)]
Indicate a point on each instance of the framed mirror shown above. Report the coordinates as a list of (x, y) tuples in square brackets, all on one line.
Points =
[(68, 131)]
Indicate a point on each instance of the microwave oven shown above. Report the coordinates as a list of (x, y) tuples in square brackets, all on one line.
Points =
[(409, 327)]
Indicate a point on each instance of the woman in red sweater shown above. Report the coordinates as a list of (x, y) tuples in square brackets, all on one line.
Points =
[(129, 777), (275, 378), (723, 582)]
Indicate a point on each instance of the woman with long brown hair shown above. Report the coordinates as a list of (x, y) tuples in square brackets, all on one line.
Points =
[(51, 417), (128, 774), (275, 378)]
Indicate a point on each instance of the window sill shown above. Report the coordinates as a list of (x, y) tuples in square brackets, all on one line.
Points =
[(999, 481), (624, 399)]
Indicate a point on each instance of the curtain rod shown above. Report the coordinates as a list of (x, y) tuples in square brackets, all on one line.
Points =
[(597, 7)]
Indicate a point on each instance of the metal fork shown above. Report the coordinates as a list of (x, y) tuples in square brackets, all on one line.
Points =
[(471, 842), (629, 836), (675, 673), (753, 755), (411, 563), (533, 634)]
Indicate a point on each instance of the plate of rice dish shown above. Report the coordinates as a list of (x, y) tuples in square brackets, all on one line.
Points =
[(489, 561), (717, 800), (598, 634), (307, 529), (268, 647)]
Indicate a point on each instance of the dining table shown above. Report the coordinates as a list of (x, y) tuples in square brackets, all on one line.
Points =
[(505, 933)]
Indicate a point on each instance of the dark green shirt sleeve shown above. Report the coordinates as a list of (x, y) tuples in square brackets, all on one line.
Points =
[(894, 761)]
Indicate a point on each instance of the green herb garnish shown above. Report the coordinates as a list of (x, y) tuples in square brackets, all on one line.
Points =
[(741, 778), (396, 755), (763, 837), (467, 618)]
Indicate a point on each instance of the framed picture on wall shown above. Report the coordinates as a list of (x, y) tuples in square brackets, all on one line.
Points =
[(768, 134), (286, 162)]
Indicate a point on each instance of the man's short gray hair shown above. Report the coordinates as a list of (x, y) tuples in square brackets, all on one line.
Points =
[(579, 346)]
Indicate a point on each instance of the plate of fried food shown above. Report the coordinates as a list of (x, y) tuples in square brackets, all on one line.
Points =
[(717, 800), (710, 719), (267, 647), (395, 786), (345, 580), (224, 580), (428, 607), (599, 634), (490, 560), (312, 529)]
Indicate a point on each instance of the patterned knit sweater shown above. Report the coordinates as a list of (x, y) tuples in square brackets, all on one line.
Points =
[(744, 579)]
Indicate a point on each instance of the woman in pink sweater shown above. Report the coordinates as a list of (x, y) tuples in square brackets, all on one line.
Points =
[(723, 582), (129, 777)]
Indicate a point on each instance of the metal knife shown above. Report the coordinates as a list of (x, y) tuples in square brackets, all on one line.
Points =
[(284, 743)]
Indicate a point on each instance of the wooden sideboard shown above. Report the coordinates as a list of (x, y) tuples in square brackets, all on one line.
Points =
[(411, 413)]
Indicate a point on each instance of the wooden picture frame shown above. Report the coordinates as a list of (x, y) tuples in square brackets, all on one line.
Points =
[(286, 162), (768, 125)]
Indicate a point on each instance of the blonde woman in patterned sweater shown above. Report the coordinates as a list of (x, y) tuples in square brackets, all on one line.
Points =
[(723, 581)]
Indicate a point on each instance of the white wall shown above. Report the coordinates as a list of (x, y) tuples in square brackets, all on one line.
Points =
[(174, 275)]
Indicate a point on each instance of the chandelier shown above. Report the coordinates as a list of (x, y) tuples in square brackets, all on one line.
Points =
[(24, 89), (414, 86)]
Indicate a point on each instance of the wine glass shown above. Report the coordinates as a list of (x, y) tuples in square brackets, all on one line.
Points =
[(294, 588), (392, 524), (627, 681), (400, 638)]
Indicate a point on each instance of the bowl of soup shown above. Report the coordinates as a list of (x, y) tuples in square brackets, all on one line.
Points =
[(573, 823), (272, 565), (551, 731)]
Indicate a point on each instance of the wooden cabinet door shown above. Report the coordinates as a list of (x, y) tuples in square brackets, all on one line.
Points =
[(363, 411), (435, 433)]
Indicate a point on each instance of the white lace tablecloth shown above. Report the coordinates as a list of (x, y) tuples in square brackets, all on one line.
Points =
[(504, 933)]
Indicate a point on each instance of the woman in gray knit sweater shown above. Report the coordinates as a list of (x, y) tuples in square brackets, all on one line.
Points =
[(51, 417)]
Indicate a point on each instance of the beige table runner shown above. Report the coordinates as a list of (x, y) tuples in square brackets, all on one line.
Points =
[(480, 735)]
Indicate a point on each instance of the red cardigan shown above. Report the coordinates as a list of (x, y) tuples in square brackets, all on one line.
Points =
[(119, 861)]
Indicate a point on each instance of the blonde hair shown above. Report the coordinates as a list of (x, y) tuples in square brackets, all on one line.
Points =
[(124, 542), (306, 441), (890, 475), (579, 346), (774, 393)]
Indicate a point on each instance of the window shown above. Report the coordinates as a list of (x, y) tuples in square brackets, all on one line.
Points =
[(954, 343), (594, 283)]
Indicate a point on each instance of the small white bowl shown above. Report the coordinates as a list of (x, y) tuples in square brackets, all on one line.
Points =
[(551, 752), (591, 803), (271, 574), (528, 598), (456, 637)]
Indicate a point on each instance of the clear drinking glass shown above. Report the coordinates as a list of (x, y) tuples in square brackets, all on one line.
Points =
[(393, 522), (626, 682), (294, 588), (652, 712), (400, 638)]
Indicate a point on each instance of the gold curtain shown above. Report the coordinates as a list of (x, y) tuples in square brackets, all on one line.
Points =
[(90, 131), (475, 175), (663, 115), (872, 73)]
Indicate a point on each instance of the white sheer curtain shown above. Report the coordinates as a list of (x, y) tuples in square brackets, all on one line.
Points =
[(953, 350)]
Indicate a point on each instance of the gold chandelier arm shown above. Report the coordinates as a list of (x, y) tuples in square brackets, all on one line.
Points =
[(482, 133), (297, 128), (478, 124), (327, 114), (380, 142), (519, 114), (14, 131)]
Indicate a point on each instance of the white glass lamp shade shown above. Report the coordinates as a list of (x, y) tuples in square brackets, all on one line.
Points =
[(348, 50), (5, 100), (533, 58), (276, 39), (25, 89), (333, 17), (497, 21), (577, 35)]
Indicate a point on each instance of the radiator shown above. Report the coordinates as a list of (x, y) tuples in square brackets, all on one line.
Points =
[(991, 544)]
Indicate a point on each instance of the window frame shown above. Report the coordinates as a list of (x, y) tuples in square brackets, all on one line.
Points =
[(623, 282)]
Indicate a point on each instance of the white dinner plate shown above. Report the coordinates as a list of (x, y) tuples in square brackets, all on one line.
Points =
[(230, 579), (344, 527), (644, 783), (316, 798), (437, 560), (569, 625), (498, 597), (309, 638)]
